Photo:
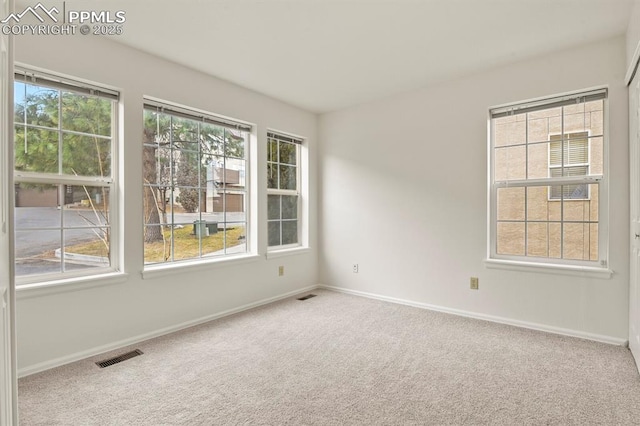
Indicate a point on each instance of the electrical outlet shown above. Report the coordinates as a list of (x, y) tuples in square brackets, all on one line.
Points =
[(280, 271), (474, 283), (355, 268)]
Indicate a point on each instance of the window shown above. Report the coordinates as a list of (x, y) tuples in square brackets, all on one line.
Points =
[(195, 185), (548, 180), (65, 177), (575, 152), (283, 189)]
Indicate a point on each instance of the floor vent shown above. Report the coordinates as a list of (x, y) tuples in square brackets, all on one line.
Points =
[(119, 358), (308, 296)]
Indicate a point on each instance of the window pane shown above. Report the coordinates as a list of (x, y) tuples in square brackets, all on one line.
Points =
[(538, 130), (85, 206), (213, 139), (595, 118), (272, 150), (569, 192), (510, 130), (576, 241), (510, 163), (288, 177), (574, 117), (510, 238), (594, 197), (289, 207), (555, 240), (41, 105), (234, 207), (186, 168), (538, 166), (19, 102), (86, 248), (572, 150), (234, 173), (35, 252), (157, 243), (554, 206), (36, 205), (184, 133), (577, 210), (234, 143), (596, 149), (272, 176), (86, 155), (235, 239), (593, 239), (288, 153), (273, 207), (36, 150), (511, 203), (537, 203), (289, 232), (86, 114), (188, 198), (537, 239), (552, 118), (274, 233)]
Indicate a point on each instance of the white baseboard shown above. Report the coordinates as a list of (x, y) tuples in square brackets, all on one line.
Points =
[(502, 320), (57, 362)]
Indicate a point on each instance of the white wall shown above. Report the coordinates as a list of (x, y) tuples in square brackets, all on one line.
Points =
[(633, 32), (404, 195), (57, 327)]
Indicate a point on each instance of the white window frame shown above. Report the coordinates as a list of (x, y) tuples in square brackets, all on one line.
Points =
[(151, 270), (597, 267), (298, 142), (56, 81)]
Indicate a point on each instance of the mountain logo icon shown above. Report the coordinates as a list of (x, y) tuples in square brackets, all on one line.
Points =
[(38, 11)]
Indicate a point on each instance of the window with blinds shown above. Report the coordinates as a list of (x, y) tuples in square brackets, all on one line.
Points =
[(547, 180), (569, 157)]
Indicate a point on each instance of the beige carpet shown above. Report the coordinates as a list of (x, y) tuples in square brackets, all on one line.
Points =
[(337, 360)]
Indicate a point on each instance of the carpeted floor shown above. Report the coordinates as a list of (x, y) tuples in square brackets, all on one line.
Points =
[(337, 359)]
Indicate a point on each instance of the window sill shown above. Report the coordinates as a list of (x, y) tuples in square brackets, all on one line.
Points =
[(158, 270), (549, 268), (26, 291), (287, 252)]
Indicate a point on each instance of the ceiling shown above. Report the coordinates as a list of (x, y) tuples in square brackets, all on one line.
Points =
[(324, 55)]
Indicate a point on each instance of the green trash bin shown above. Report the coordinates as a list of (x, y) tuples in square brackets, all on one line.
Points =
[(212, 227), (200, 228)]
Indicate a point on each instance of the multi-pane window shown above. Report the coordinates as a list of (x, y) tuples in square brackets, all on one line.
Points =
[(195, 184), (64, 159), (283, 189), (548, 180)]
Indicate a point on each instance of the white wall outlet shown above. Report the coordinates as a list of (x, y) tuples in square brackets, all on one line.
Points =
[(280, 271), (355, 268)]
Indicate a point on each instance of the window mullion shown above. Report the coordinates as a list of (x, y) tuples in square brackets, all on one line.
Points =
[(526, 192), (564, 140)]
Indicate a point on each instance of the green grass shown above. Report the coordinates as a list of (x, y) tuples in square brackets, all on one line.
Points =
[(185, 245)]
